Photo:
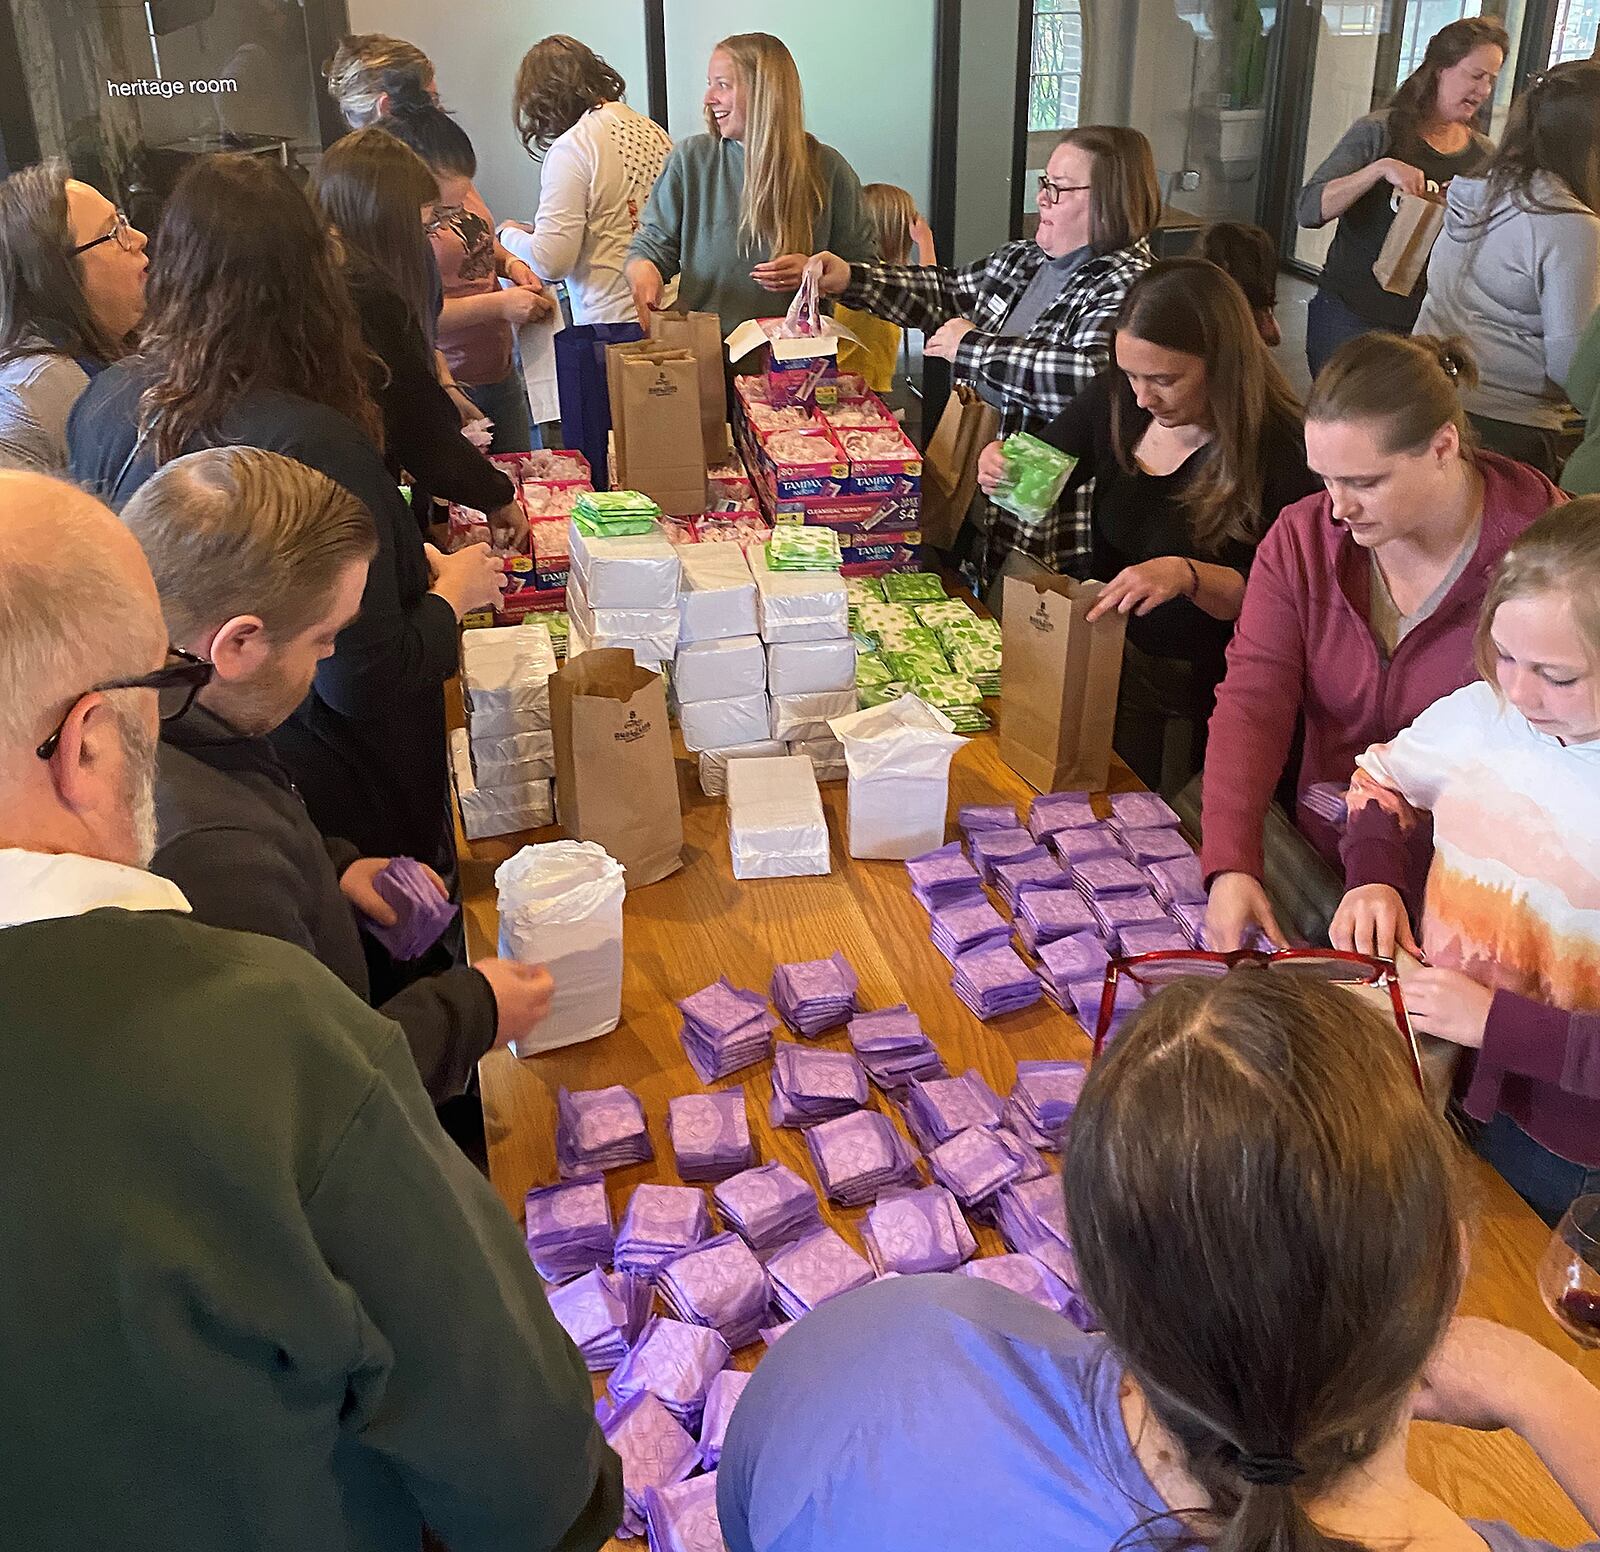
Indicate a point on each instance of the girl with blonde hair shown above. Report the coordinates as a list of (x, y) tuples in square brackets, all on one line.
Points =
[(736, 209)]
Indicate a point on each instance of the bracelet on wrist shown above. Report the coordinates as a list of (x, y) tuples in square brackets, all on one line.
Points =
[(1194, 578)]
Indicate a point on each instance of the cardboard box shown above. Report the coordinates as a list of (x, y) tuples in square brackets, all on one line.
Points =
[(799, 371)]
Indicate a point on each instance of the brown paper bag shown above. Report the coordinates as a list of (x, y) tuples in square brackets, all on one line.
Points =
[(1059, 680), (950, 464), (1403, 259), (701, 335), (616, 782), (655, 417)]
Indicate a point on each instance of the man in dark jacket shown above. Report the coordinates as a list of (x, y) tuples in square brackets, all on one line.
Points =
[(260, 563), (252, 1296)]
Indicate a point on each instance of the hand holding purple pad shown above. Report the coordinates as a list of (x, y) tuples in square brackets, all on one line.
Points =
[(422, 912), (710, 1134)]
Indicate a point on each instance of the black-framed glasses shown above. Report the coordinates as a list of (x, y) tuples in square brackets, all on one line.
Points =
[(1050, 192), (121, 233), (1331, 966), (176, 684)]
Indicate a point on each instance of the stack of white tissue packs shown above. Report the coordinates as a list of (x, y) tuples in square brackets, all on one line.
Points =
[(504, 759), (623, 592), (776, 826)]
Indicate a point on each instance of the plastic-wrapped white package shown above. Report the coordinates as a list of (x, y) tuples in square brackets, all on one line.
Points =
[(776, 826), (715, 670), (719, 594), (738, 719), (631, 571), (513, 758), (496, 810), (826, 756), (806, 716), (505, 673), (561, 906), (799, 605), (714, 762), (651, 634), (811, 667), (898, 756)]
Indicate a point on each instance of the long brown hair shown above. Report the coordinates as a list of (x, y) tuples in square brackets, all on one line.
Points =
[(245, 295), (1267, 1218), (1124, 196), (41, 286), (1417, 97), (1554, 128), (558, 81), (1190, 305), (783, 189), (1407, 386), (372, 189)]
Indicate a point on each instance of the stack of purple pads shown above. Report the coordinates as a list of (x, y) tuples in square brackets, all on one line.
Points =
[(682, 1517), (721, 1399), (813, 1270), (1084, 844), (660, 1222), (602, 1313), (1028, 1276), (1045, 914), (599, 1129), (1177, 880), (421, 912), (966, 924), (1190, 915), (710, 1135), (1142, 811), (917, 1231), (857, 1155), (1147, 846), (1043, 1099), (809, 1085), (1032, 1213), (892, 1047), (718, 1284), (568, 1228), (815, 994), (935, 1111), (1152, 938), (1068, 964), (1329, 801), (973, 817), (1043, 870), (768, 1205), (1053, 812), (990, 847), (943, 877), (994, 979), (725, 1028), (976, 1163), (676, 1362), (1096, 878), (656, 1452)]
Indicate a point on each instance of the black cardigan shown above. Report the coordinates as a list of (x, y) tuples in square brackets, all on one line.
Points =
[(367, 745)]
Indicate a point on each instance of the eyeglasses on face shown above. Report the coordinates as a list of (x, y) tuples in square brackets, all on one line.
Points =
[(176, 684), (1331, 966), (1050, 192), (121, 233)]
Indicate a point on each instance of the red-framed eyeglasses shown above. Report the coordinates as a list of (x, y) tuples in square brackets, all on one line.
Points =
[(1332, 966)]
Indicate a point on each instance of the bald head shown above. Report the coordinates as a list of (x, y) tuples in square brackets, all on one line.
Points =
[(77, 606)]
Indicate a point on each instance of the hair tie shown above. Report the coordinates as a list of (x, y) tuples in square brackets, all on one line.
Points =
[(1451, 365), (1270, 1470)]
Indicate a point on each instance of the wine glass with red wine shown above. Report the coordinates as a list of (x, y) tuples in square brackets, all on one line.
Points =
[(1569, 1273)]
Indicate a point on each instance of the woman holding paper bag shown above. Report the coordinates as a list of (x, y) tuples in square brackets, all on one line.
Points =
[(1517, 267), (736, 209), (1422, 140), (1193, 444)]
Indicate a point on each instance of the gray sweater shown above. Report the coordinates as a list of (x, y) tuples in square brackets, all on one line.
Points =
[(37, 393), (1522, 286)]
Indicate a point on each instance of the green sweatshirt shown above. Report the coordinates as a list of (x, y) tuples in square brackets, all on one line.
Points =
[(1581, 477), (250, 1295), (690, 228)]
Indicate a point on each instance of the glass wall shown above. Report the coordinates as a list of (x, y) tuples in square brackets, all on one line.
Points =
[(1577, 24)]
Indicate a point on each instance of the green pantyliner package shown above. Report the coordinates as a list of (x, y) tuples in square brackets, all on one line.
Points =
[(909, 586), (1035, 475)]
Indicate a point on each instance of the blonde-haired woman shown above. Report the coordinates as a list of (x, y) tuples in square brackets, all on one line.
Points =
[(735, 210), (369, 69)]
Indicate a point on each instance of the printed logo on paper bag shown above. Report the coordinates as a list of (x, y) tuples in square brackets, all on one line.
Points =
[(663, 387), (632, 730), (1040, 618)]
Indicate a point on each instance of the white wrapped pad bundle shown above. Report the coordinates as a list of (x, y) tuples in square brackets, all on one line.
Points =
[(899, 764), (496, 810), (505, 673), (631, 571), (650, 634), (811, 667), (806, 716), (715, 670), (714, 762), (718, 599), (740, 719), (515, 758), (776, 826), (826, 755), (799, 605)]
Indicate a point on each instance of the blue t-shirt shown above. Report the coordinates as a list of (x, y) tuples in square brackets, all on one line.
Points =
[(939, 1411)]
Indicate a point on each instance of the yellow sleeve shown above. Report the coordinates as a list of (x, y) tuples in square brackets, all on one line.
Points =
[(876, 357)]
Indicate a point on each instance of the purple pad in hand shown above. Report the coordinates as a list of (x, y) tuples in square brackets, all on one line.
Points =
[(675, 1361), (710, 1134), (917, 1231), (813, 1270), (655, 1451), (422, 912)]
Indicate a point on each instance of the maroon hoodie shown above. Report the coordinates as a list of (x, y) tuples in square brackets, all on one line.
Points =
[(1303, 647)]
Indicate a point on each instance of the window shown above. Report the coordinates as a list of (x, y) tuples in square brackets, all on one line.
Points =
[(1346, 20), (1424, 18), (1057, 70), (1577, 22)]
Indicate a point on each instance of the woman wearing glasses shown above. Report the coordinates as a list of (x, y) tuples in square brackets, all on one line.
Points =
[(1265, 1348), (71, 295), (1509, 768), (252, 341), (1030, 326)]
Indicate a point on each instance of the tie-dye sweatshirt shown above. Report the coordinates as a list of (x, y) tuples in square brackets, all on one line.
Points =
[(1513, 898)]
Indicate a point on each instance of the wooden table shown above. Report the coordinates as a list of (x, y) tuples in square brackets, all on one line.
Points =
[(685, 931)]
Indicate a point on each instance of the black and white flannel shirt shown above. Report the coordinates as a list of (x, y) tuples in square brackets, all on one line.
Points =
[(1032, 377)]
